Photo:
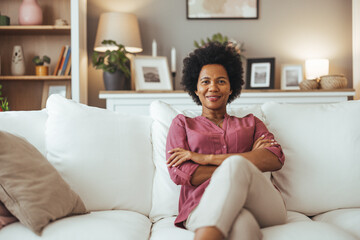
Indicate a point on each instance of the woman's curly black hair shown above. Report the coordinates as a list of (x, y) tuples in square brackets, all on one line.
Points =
[(213, 53)]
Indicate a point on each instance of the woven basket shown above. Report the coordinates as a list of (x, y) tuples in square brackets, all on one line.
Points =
[(333, 82), (309, 85)]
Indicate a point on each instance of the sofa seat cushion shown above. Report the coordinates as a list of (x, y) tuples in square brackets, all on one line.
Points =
[(165, 229), (305, 230), (347, 219), (105, 156), (298, 227), (321, 146), (109, 225)]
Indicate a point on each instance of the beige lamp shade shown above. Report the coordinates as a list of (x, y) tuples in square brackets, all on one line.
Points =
[(123, 28), (315, 68)]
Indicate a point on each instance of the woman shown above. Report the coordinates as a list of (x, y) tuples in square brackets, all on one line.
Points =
[(219, 159)]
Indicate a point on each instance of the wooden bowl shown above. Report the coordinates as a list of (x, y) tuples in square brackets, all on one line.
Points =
[(333, 82)]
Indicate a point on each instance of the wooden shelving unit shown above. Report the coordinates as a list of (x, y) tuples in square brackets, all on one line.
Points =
[(35, 30), (34, 78), (25, 92)]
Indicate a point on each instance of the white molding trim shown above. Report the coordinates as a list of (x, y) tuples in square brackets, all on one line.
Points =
[(356, 46), (79, 65)]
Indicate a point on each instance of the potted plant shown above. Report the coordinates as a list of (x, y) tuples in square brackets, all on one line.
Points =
[(4, 105), (115, 65), (41, 69), (218, 37)]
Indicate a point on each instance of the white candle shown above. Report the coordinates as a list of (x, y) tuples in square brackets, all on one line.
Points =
[(154, 48), (173, 60)]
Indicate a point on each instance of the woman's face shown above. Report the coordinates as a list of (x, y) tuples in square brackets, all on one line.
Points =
[(213, 87)]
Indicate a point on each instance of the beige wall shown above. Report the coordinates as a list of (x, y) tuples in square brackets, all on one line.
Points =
[(291, 31)]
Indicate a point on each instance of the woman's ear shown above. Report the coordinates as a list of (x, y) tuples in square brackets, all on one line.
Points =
[(196, 92)]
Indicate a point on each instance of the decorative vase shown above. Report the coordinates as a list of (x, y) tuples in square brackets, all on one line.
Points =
[(116, 81), (30, 13), (42, 70), (17, 61)]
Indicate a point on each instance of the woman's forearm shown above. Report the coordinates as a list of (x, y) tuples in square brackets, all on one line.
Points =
[(202, 173), (262, 158)]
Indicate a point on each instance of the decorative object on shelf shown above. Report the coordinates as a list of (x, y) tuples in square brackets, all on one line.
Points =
[(17, 61), (216, 9), (116, 66), (30, 13), (154, 48), (291, 76), (61, 22), (218, 37), (120, 27), (309, 85), (62, 88), (40, 68), (260, 73), (151, 73), (4, 105), (173, 65), (333, 81), (4, 20)]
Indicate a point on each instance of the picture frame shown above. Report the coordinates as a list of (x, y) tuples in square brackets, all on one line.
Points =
[(260, 73), (209, 9), (151, 73), (291, 76), (62, 88)]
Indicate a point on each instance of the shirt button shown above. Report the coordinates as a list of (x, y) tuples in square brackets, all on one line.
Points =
[(224, 146), (174, 170)]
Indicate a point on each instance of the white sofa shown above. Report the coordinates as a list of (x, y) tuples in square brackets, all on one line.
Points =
[(116, 163)]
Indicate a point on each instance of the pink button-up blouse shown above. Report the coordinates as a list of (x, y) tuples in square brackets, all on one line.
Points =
[(202, 136)]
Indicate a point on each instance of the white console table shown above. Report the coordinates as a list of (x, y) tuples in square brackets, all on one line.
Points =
[(138, 102)]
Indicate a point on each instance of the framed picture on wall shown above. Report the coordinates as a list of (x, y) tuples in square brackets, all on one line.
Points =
[(291, 76), (224, 9), (260, 73), (62, 88), (151, 73)]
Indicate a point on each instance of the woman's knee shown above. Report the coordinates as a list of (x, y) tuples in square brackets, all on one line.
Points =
[(245, 227)]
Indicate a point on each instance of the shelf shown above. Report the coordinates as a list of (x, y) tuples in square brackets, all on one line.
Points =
[(36, 29), (34, 78), (242, 91)]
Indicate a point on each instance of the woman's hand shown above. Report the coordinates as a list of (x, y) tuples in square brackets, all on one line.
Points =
[(180, 155), (261, 142)]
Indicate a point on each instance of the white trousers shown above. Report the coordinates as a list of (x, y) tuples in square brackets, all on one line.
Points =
[(239, 200)]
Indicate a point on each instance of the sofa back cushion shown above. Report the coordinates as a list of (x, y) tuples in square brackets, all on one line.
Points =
[(321, 144), (27, 124), (106, 157), (165, 199)]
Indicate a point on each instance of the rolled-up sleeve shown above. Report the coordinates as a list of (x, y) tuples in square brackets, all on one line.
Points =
[(177, 138), (260, 129)]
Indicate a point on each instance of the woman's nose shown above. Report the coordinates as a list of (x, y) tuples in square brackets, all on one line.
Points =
[(213, 87)]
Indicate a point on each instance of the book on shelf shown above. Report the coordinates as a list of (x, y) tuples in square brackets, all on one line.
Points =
[(68, 67), (66, 61), (59, 61)]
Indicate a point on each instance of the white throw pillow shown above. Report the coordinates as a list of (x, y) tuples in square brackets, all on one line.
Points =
[(165, 199), (321, 144), (105, 156), (27, 124)]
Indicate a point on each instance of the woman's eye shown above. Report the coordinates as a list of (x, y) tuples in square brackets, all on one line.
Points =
[(205, 82), (221, 81)]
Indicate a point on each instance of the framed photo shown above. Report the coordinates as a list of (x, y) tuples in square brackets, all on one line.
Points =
[(260, 73), (222, 9), (151, 73), (291, 76), (62, 88)]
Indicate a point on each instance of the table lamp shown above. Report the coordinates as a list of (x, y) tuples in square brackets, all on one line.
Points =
[(315, 68), (123, 28)]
